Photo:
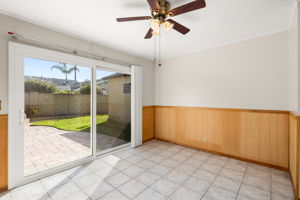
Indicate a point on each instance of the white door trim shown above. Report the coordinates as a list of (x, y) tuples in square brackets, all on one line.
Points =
[(17, 52), (136, 105)]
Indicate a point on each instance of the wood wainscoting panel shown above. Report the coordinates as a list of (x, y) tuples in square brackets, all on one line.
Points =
[(3, 152), (148, 123), (259, 136), (294, 152), (283, 140), (253, 136)]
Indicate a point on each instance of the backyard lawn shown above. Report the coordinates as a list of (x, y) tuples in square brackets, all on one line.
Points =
[(83, 124)]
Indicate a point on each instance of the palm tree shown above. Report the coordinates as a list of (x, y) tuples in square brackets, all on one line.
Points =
[(75, 69), (64, 69)]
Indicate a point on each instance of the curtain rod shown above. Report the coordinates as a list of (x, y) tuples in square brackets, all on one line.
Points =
[(74, 51)]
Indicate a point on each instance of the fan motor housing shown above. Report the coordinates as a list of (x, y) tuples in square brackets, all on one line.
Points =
[(161, 14)]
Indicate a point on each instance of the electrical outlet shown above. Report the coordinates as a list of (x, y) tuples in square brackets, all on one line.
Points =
[(205, 139)]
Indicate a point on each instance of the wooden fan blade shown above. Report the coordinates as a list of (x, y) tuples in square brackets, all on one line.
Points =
[(126, 19), (149, 34), (187, 7), (178, 27), (154, 4)]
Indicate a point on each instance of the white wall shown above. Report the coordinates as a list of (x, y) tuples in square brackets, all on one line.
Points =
[(293, 62), (12, 24), (251, 74)]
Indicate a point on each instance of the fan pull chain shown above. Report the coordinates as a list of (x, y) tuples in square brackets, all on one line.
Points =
[(159, 51), (155, 58)]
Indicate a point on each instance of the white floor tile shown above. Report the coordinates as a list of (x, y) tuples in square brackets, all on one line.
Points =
[(283, 190), (28, 191), (232, 174), (185, 169), (197, 185), (217, 193), (211, 168), (88, 180), (150, 194), (228, 184), (254, 193), (114, 195), (122, 165), (55, 181), (169, 163), (133, 171), (160, 170), (110, 160), (106, 172), (96, 165), (259, 182), (78, 172), (165, 187), (148, 178), (204, 175), (280, 197), (132, 188), (171, 172), (64, 191), (240, 197), (118, 179), (183, 193), (146, 164), (5, 196), (98, 190), (176, 177), (77, 196)]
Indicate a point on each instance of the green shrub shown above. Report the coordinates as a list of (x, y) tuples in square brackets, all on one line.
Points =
[(86, 89), (39, 86), (65, 92), (33, 112)]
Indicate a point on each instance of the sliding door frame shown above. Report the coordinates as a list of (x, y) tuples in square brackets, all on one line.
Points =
[(101, 67), (17, 53)]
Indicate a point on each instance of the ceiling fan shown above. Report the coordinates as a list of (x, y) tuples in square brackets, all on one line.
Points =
[(160, 12)]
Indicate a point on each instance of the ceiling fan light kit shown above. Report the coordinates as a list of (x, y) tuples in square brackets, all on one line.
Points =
[(160, 12), (160, 16)]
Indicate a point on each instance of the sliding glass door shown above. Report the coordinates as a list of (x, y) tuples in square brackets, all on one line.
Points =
[(113, 109), (57, 104), (64, 111)]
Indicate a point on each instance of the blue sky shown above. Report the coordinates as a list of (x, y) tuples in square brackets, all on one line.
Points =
[(42, 68)]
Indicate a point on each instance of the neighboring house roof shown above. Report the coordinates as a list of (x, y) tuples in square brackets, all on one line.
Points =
[(114, 76), (55, 81), (78, 84)]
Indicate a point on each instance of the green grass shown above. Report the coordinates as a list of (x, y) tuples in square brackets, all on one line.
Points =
[(83, 124)]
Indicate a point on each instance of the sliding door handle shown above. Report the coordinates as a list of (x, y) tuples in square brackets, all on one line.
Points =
[(22, 117)]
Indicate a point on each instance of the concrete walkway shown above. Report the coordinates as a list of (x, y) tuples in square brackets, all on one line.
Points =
[(47, 147)]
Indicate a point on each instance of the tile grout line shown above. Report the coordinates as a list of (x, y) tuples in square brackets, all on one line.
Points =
[(271, 184), (214, 180), (154, 153), (114, 188), (161, 177), (241, 183), (186, 179), (119, 171), (122, 171), (166, 174)]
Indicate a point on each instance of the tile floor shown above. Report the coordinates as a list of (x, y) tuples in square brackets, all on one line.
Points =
[(157, 171)]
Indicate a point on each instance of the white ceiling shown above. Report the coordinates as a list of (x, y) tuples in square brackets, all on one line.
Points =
[(221, 22)]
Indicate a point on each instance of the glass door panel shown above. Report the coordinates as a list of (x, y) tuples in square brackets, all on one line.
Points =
[(57, 129), (113, 109)]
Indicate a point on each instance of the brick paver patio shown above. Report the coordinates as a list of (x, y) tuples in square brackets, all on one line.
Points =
[(47, 147)]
